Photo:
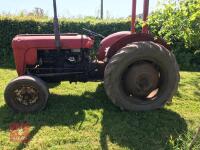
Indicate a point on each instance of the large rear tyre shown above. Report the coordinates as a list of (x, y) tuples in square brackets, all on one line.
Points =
[(141, 76), (26, 94)]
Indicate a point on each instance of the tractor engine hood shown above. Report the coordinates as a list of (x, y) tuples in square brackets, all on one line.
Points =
[(48, 42), (25, 47)]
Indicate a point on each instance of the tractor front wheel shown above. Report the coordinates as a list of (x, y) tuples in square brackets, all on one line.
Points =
[(26, 94), (141, 76)]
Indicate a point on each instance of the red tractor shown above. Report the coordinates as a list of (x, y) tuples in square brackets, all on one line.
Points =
[(139, 71)]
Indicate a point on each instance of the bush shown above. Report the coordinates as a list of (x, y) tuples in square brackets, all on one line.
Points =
[(179, 24), (11, 26)]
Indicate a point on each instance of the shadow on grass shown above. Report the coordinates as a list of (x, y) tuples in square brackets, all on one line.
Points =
[(134, 130)]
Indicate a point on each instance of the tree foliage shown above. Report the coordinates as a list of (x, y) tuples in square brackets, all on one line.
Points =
[(178, 22)]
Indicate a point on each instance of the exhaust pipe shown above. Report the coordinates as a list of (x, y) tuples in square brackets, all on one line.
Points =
[(134, 2), (56, 27), (145, 16)]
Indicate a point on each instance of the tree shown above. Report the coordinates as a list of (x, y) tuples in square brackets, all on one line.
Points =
[(178, 22), (37, 12)]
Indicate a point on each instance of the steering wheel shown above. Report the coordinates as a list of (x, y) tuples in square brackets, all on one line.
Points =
[(92, 33)]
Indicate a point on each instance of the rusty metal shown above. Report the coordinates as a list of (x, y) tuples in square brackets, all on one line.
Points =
[(134, 3), (145, 16), (56, 27), (141, 79)]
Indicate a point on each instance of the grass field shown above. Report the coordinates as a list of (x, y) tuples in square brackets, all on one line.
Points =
[(80, 116)]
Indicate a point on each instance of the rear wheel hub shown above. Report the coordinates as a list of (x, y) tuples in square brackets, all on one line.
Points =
[(141, 79)]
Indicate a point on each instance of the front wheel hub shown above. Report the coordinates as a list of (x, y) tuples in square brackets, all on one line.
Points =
[(26, 95), (141, 79)]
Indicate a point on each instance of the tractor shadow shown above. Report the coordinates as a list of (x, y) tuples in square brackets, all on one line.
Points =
[(193, 83), (133, 130)]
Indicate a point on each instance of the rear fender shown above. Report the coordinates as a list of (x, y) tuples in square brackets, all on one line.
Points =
[(107, 42), (107, 51)]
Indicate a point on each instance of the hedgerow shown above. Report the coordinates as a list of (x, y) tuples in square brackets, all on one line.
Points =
[(11, 26)]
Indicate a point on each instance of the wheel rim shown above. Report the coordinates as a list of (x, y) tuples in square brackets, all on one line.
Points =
[(26, 95), (141, 80)]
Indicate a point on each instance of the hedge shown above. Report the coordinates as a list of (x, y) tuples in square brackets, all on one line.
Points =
[(10, 27)]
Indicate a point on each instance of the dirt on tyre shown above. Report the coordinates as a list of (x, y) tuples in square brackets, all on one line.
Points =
[(26, 94), (141, 76)]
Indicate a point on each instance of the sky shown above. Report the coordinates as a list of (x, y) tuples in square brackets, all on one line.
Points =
[(76, 8)]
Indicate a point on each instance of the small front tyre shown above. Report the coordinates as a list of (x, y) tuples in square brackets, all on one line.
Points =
[(26, 94)]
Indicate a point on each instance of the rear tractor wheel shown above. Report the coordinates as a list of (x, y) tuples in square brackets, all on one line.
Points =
[(26, 94), (141, 76)]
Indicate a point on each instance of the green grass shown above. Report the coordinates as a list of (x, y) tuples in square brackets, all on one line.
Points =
[(80, 116)]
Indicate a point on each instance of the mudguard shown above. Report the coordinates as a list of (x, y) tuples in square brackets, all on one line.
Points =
[(111, 44)]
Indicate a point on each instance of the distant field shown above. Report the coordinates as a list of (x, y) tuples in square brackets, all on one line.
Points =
[(80, 116)]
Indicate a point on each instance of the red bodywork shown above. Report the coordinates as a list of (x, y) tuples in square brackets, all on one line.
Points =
[(108, 42), (114, 42), (25, 47)]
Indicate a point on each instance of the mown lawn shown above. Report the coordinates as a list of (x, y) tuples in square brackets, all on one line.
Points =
[(80, 116)]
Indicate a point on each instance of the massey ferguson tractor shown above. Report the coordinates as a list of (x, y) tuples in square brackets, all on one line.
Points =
[(138, 70)]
